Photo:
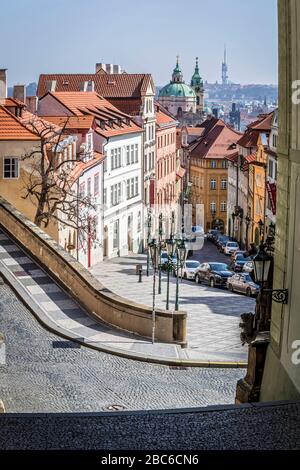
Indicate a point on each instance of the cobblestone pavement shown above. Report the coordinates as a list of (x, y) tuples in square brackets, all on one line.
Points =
[(61, 313), (44, 373), (213, 314)]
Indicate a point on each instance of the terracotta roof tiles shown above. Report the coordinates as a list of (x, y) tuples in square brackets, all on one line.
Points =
[(108, 85), (11, 128)]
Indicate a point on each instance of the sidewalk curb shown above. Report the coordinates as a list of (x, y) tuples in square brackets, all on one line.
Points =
[(45, 321)]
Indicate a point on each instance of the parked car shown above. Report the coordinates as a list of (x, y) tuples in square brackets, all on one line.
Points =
[(239, 262), (189, 269), (243, 283), (248, 267), (211, 234), (230, 247), (222, 242), (216, 274), (238, 252)]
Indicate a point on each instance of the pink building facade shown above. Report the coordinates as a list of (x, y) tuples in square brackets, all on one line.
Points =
[(166, 160)]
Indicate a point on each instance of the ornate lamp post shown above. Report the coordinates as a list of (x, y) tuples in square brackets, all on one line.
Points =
[(149, 221), (181, 253), (154, 252), (169, 265), (160, 231), (256, 327)]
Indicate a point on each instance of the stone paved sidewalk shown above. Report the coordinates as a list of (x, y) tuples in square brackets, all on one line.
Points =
[(213, 313), (60, 313)]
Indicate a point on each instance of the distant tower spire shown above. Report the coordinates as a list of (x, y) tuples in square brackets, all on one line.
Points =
[(224, 69)]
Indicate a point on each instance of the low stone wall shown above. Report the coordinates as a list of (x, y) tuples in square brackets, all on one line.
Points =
[(88, 291)]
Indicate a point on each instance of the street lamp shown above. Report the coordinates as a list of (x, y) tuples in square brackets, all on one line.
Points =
[(154, 252), (181, 253), (170, 243), (148, 239), (262, 264), (160, 231)]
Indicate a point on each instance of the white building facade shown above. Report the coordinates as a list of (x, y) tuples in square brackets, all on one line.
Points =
[(123, 195)]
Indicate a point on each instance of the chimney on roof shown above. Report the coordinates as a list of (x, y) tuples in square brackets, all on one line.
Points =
[(3, 83), (108, 68), (50, 85), (31, 104), (19, 93)]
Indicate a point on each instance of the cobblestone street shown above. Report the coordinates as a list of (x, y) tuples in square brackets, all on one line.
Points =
[(44, 372), (213, 313)]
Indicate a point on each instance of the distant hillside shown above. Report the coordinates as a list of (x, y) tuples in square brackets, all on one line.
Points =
[(30, 90)]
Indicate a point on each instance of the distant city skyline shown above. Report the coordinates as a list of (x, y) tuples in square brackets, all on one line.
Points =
[(67, 37)]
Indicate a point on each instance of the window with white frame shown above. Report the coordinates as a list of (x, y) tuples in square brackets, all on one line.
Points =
[(213, 164), (96, 184), (11, 167), (115, 194), (136, 153), (116, 158), (132, 187), (224, 164), (213, 206), (224, 184), (213, 184), (271, 169), (223, 206), (132, 154)]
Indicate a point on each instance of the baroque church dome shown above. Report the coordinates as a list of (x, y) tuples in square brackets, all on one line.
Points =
[(178, 90)]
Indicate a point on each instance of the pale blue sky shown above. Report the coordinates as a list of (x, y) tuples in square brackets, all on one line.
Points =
[(44, 36)]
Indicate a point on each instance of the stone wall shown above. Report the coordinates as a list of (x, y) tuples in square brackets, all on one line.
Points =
[(88, 291), (282, 374)]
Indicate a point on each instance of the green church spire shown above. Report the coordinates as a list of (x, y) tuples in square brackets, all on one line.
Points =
[(196, 79)]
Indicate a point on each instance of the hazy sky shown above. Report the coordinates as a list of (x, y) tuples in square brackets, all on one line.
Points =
[(44, 36)]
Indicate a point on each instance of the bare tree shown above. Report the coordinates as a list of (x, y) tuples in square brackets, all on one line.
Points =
[(51, 179)]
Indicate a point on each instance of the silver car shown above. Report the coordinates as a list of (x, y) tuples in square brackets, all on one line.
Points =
[(242, 283), (189, 269)]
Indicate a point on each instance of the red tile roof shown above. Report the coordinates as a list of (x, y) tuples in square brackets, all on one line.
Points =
[(123, 85), (80, 102), (12, 102), (110, 121), (251, 135), (72, 122), (81, 167), (11, 128), (131, 106), (264, 124), (216, 140), (163, 119)]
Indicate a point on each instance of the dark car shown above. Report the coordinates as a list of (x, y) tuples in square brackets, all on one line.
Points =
[(216, 274), (221, 242), (239, 262), (211, 234)]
